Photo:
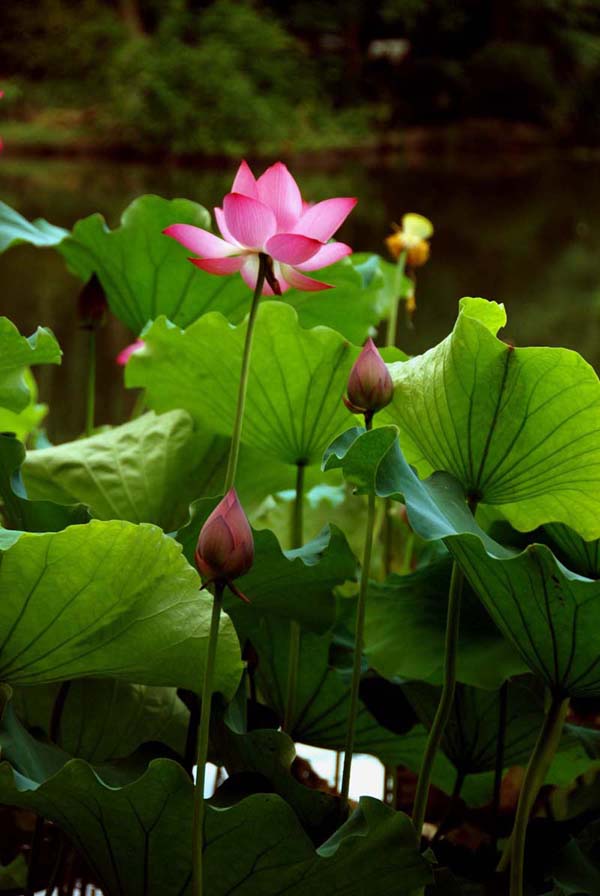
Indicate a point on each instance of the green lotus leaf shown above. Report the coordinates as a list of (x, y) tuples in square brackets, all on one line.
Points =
[(14, 229), (143, 471), (104, 719), (28, 421), (517, 427), (405, 628), (14, 875), (107, 599), (549, 613), (141, 270), (471, 736), (21, 513), (582, 556), (262, 760), (292, 585), (17, 353), (136, 837), (297, 379), (356, 304), (322, 701)]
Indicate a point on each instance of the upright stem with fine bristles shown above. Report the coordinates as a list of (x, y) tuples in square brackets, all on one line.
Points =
[(295, 633), (234, 450), (198, 888), (358, 643)]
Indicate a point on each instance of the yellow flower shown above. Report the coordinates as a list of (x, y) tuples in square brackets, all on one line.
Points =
[(411, 238)]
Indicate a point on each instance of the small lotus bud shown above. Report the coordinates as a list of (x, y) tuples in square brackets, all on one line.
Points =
[(370, 386), (225, 549), (92, 305)]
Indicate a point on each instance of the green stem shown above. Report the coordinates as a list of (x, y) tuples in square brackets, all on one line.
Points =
[(91, 386), (234, 450), (444, 709), (358, 650), (392, 327), (536, 772), (202, 749), (297, 537)]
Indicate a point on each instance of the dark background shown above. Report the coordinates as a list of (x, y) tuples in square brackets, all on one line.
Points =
[(187, 77)]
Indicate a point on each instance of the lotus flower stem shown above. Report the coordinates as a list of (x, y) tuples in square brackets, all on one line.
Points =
[(234, 450), (295, 632), (91, 385), (444, 709), (358, 647), (537, 769), (202, 748)]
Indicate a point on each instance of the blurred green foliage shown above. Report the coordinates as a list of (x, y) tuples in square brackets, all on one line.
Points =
[(225, 76)]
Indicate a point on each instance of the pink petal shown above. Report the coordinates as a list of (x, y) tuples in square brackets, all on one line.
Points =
[(249, 272), (219, 265), (220, 219), (129, 350), (278, 189), (245, 182), (299, 281), (292, 248), (323, 219), (199, 241), (328, 254), (249, 221)]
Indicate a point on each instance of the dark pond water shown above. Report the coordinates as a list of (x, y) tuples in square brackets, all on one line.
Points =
[(522, 229)]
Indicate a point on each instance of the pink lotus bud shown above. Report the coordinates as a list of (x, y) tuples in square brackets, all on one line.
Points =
[(370, 386), (225, 548)]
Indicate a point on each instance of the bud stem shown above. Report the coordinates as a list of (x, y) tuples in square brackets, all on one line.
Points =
[(295, 633), (91, 385), (202, 748), (234, 450), (358, 646)]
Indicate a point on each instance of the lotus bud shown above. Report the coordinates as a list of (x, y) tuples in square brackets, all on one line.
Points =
[(370, 386), (225, 549), (92, 305)]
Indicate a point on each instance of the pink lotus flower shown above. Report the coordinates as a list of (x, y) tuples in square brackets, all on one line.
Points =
[(129, 350), (268, 215), (225, 549)]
